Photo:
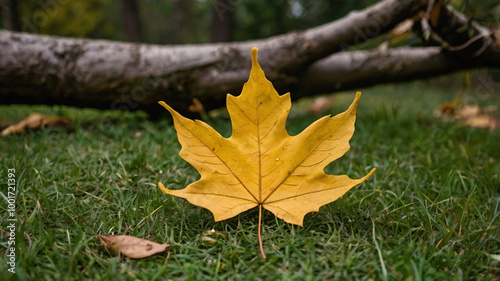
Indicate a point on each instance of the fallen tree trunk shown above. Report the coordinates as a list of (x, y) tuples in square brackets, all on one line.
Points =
[(359, 69), (102, 74)]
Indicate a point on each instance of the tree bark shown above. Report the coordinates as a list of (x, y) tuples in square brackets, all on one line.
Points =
[(102, 74), (358, 69), (181, 21), (222, 21), (131, 20), (10, 14)]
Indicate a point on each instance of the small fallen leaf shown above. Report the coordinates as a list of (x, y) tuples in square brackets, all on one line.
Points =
[(448, 108), (207, 236), (320, 105), (213, 232), (35, 121), (474, 116), (130, 246), (496, 35), (494, 257), (435, 13), (197, 106), (208, 239), (468, 111), (401, 31)]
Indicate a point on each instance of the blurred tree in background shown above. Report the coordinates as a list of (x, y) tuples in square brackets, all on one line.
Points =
[(131, 20), (261, 19), (66, 18), (191, 21)]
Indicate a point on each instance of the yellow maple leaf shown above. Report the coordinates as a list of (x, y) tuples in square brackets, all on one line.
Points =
[(261, 164)]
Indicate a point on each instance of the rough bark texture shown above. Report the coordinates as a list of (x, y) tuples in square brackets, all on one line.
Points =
[(38, 69)]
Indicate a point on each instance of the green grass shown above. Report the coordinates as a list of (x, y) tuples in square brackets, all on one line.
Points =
[(430, 212)]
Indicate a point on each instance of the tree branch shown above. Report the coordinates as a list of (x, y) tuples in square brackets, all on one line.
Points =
[(358, 69), (36, 69)]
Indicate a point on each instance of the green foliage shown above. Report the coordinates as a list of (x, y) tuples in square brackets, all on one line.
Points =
[(485, 12), (78, 18), (176, 22)]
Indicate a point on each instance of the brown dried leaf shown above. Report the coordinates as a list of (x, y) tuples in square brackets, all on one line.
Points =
[(401, 31), (474, 116), (213, 232), (208, 239), (436, 11), (197, 106), (496, 35), (207, 236), (130, 246), (320, 105), (468, 111), (35, 121)]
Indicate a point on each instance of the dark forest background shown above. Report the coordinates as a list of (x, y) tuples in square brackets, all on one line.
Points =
[(192, 21)]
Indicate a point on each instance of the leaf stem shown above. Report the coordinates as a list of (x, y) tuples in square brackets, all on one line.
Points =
[(262, 254)]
